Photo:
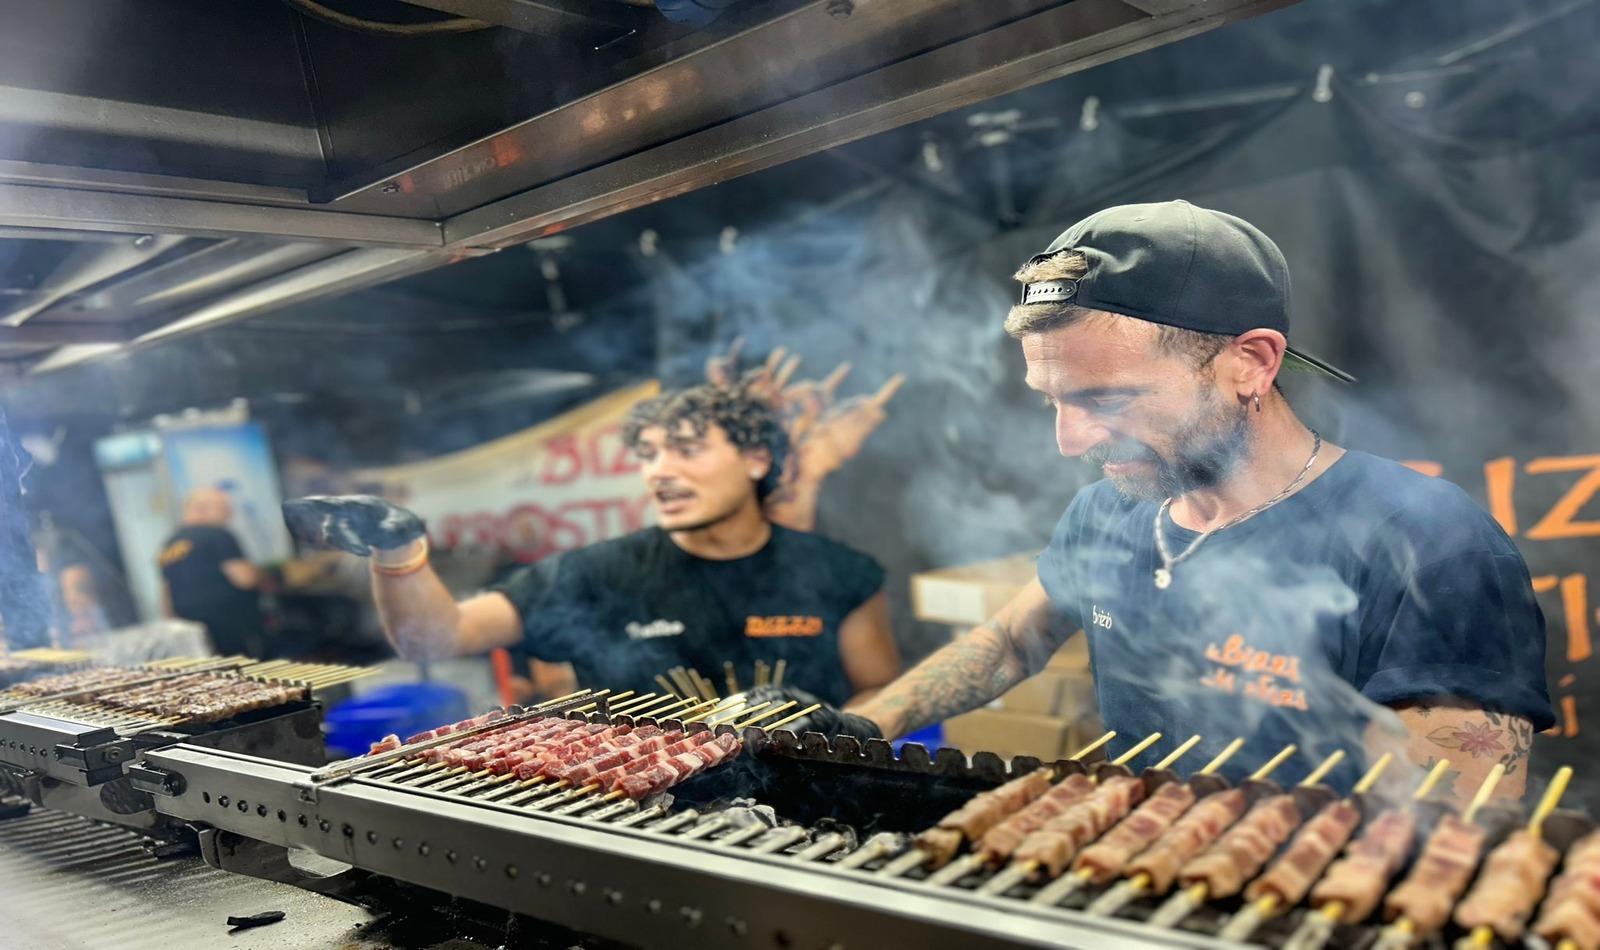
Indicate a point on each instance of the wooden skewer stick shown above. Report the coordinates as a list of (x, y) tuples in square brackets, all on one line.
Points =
[(596, 705), (730, 677), (704, 685), (1069, 884), (771, 712), (657, 706), (1483, 935), (637, 702), (726, 716), (662, 680), (1248, 920), (685, 687), (1074, 757), (788, 719), (1177, 753), (777, 672), (1403, 931), (1142, 745), (1018, 871), (761, 672), (1118, 897)]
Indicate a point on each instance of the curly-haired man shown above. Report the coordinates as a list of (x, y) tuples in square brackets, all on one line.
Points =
[(714, 583)]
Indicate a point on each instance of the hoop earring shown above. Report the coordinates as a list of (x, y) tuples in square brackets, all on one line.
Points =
[(1258, 402)]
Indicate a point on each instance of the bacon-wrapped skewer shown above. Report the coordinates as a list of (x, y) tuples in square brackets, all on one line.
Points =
[(1570, 918), (1421, 903), (1052, 845), (1102, 861), (1242, 851), (998, 842), (1351, 889), (1155, 868), (937, 846), (1513, 877), (1293, 872)]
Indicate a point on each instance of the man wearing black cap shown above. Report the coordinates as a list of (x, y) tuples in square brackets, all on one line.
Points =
[(1236, 574)]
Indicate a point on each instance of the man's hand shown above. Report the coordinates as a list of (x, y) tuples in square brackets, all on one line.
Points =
[(827, 720), (354, 523)]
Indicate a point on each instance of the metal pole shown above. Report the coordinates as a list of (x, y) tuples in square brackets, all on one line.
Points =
[(24, 608)]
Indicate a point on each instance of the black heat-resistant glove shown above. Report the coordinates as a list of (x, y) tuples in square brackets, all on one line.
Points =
[(353, 523), (828, 720)]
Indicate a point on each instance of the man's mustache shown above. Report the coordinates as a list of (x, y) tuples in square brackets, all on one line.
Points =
[(1120, 452)]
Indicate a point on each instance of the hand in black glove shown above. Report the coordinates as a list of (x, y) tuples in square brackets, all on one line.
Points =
[(353, 523), (828, 720)]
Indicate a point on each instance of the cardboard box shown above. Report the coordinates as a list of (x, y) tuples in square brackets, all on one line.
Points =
[(970, 594), (1008, 734)]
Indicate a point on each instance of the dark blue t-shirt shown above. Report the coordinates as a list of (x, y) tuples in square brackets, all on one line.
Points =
[(626, 610), (1372, 585)]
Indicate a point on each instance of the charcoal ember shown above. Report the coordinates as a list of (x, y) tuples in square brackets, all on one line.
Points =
[(745, 812), (256, 920), (832, 826)]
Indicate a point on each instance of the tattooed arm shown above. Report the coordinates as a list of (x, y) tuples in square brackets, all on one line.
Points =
[(975, 668), (1474, 739)]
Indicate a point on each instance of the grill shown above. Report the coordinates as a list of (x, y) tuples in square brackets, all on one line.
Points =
[(24, 665), (798, 842), (67, 740)]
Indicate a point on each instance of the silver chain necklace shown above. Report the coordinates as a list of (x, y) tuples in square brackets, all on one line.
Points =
[(1168, 562)]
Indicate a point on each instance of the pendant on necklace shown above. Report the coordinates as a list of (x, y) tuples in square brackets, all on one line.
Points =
[(1163, 578)]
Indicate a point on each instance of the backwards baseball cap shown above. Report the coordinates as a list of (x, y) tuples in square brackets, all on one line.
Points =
[(1182, 266)]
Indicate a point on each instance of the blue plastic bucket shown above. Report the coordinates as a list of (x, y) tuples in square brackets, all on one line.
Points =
[(403, 709)]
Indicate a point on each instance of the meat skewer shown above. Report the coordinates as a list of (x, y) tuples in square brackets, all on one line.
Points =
[(1513, 879), (1352, 888), (1222, 869), (1155, 868), (935, 847), (1308, 855), (1055, 842), (1102, 861), (1570, 918), (1422, 902), (998, 842), (664, 776)]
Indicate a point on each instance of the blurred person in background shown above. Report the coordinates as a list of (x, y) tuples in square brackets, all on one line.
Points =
[(716, 582), (207, 579)]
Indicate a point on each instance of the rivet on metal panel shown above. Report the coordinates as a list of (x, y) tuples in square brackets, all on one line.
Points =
[(325, 824), (424, 849), (372, 837), (613, 896), (304, 821), (691, 915), (543, 879), (349, 830), (261, 812), (283, 815), (399, 843), (481, 864), (452, 857), (577, 887), (511, 870), (840, 9), (738, 926), (205, 797), (243, 805), (222, 800), (653, 906)]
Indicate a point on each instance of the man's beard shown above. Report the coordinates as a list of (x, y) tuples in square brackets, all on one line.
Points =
[(1206, 450)]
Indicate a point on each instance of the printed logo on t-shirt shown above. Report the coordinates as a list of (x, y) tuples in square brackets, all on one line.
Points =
[(782, 626), (176, 551), (1102, 618), (653, 629), (1270, 670)]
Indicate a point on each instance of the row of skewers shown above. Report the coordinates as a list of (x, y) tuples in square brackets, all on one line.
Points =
[(1156, 836), (567, 765)]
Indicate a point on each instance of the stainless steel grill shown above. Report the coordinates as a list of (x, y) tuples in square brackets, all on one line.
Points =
[(785, 846)]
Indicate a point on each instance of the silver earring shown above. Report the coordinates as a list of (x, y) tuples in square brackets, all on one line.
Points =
[(1258, 402)]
